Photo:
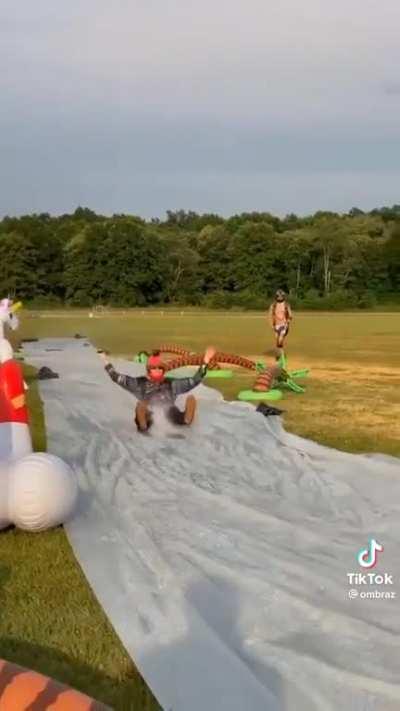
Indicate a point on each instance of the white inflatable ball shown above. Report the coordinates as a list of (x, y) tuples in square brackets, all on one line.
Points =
[(43, 492), (4, 486)]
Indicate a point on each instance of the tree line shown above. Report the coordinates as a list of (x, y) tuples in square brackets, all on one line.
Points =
[(325, 260)]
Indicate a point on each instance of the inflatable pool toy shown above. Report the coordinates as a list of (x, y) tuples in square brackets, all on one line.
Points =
[(8, 317), (42, 493), (274, 375), (37, 490), (289, 377), (249, 395), (187, 357), (175, 350), (15, 436), (263, 383), (219, 373), (266, 378), (141, 357), (263, 386), (22, 689), (266, 375)]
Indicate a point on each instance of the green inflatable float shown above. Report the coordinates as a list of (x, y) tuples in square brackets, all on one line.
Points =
[(249, 395), (219, 373), (289, 381), (141, 357), (210, 374)]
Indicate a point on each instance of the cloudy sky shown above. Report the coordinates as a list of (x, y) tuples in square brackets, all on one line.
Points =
[(140, 106)]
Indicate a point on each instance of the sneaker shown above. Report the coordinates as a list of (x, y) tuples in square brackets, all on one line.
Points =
[(190, 410)]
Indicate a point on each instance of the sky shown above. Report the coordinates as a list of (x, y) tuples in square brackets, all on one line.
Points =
[(225, 106)]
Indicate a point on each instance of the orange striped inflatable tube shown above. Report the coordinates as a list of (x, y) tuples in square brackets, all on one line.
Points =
[(176, 350), (235, 360), (265, 380), (25, 690), (189, 360)]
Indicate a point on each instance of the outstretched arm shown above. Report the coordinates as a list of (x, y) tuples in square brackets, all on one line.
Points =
[(183, 385), (127, 382)]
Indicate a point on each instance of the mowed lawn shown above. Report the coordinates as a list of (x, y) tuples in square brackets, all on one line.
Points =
[(49, 619), (353, 395)]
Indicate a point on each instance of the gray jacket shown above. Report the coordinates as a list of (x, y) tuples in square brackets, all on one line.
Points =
[(166, 392)]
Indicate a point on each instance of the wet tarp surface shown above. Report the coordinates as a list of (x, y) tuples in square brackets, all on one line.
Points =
[(222, 558)]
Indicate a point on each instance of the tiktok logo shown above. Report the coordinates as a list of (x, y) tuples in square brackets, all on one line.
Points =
[(368, 557)]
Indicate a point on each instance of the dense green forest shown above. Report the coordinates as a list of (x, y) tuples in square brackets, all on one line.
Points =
[(323, 261)]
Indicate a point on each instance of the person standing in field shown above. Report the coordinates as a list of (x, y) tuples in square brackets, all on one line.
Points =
[(280, 315)]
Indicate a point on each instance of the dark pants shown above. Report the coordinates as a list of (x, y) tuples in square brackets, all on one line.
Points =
[(176, 416)]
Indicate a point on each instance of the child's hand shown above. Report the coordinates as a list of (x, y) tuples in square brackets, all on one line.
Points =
[(104, 356), (209, 354)]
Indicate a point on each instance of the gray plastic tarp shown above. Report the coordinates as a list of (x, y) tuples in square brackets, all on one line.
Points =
[(222, 559)]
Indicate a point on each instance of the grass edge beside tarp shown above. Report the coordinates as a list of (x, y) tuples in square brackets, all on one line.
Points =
[(50, 619)]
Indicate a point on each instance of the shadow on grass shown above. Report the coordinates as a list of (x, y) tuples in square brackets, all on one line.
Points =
[(125, 691), (117, 695), (125, 694), (184, 669)]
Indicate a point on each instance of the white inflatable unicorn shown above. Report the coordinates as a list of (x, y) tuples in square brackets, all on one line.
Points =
[(15, 438), (7, 314), (37, 490)]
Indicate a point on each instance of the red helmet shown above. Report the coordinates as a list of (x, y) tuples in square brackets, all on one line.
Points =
[(154, 362)]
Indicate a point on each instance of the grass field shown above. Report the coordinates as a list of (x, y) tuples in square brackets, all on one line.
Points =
[(49, 619), (352, 399)]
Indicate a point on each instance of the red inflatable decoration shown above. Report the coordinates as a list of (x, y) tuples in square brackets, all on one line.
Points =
[(15, 437), (12, 393)]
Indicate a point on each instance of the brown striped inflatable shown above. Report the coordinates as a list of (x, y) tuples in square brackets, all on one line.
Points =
[(235, 360), (25, 690), (188, 358), (175, 350), (265, 380)]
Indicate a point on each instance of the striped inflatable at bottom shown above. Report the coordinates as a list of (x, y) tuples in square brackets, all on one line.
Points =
[(25, 690)]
